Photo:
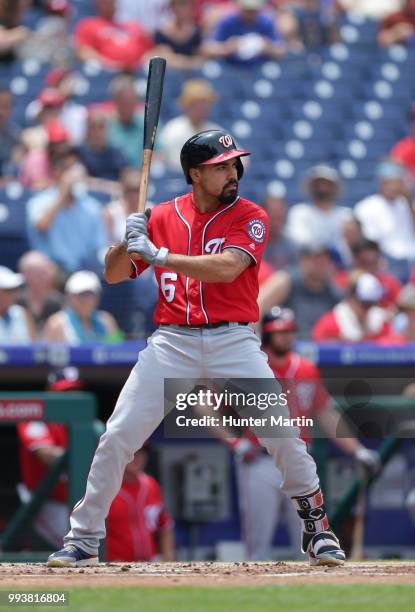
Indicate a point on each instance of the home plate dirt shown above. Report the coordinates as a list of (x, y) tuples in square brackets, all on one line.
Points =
[(28, 575)]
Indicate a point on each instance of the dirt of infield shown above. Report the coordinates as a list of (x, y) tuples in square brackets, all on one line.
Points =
[(29, 575)]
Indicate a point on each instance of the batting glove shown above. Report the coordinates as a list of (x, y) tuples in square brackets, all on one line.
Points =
[(149, 252), (136, 224), (369, 459), (244, 449)]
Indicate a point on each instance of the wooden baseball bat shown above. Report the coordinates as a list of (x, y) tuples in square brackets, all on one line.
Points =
[(154, 94), (358, 536)]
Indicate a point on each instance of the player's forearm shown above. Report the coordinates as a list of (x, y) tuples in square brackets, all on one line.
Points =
[(117, 264), (167, 544), (46, 220), (208, 268)]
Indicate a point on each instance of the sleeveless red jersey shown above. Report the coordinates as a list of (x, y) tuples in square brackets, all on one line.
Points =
[(179, 226)]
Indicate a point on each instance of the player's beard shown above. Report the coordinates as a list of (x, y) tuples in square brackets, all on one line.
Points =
[(229, 192)]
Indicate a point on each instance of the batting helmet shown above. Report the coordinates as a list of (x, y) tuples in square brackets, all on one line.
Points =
[(210, 147), (277, 319)]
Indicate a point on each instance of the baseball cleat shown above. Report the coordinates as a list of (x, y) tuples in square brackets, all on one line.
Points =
[(324, 549), (71, 556)]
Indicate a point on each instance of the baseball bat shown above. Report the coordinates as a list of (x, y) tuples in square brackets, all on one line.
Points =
[(358, 536), (154, 94)]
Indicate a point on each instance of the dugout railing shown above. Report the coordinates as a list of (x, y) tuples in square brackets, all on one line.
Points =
[(76, 410)]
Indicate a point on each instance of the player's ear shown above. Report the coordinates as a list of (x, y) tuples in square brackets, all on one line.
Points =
[(194, 174)]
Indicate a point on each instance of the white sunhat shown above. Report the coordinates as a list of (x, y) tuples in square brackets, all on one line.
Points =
[(83, 281), (10, 279), (368, 289)]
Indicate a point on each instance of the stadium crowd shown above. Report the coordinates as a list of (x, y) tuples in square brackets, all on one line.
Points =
[(347, 271)]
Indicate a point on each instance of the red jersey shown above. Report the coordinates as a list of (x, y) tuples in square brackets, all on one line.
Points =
[(135, 518), (37, 434), (307, 394), (183, 229), (123, 43)]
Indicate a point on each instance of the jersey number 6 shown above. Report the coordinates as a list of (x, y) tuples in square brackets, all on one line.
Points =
[(167, 288)]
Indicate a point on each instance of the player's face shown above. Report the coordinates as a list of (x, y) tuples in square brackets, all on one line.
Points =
[(219, 180), (282, 342)]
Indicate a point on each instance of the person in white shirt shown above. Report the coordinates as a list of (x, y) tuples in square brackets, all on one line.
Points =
[(388, 217), (197, 99), (321, 220)]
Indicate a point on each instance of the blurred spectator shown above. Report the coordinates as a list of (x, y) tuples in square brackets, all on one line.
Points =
[(180, 38), (72, 114), (320, 220), (9, 134), (64, 222), (388, 218), (398, 27), (80, 321), (46, 108), (12, 34), (117, 211), (139, 527), (367, 257), (356, 318), (16, 325), (100, 158), (36, 171), (152, 15), (50, 41), (314, 27), (367, 8), (404, 150), (281, 251), (246, 36), (404, 323), (41, 444), (39, 295), (114, 44), (197, 99), (126, 128), (309, 290)]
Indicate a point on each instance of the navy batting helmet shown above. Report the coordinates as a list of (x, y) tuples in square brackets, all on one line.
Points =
[(210, 147), (277, 319)]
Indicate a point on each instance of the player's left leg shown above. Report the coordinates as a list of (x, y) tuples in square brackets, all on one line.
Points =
[(236, 355)]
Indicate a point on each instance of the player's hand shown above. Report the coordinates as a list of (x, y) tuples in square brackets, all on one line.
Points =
[(244, 448), (369, 459), (147, 250), (136, 225)]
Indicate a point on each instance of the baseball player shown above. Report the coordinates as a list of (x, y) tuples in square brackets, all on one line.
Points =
[(262, 502), (206, 248)]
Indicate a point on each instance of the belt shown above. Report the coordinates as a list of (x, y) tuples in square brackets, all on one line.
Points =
[(211, 325)]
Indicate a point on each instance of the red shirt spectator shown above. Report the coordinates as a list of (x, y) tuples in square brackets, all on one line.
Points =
[(114, 44), (356, 318), (367, 258), (404, 152), (35, 435), (398, 27), (139, 526)]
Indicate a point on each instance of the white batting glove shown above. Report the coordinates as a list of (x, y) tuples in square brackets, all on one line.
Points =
[(244, 448), (142, 245), (369, 459)]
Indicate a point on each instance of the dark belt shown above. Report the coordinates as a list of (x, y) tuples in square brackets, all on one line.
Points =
[(210, 325)]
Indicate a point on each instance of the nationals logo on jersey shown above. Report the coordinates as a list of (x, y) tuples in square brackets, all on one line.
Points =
[(256, 229), (214, 245)]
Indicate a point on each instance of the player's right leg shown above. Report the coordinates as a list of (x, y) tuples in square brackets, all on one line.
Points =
[(259, 493), (139, 410)]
